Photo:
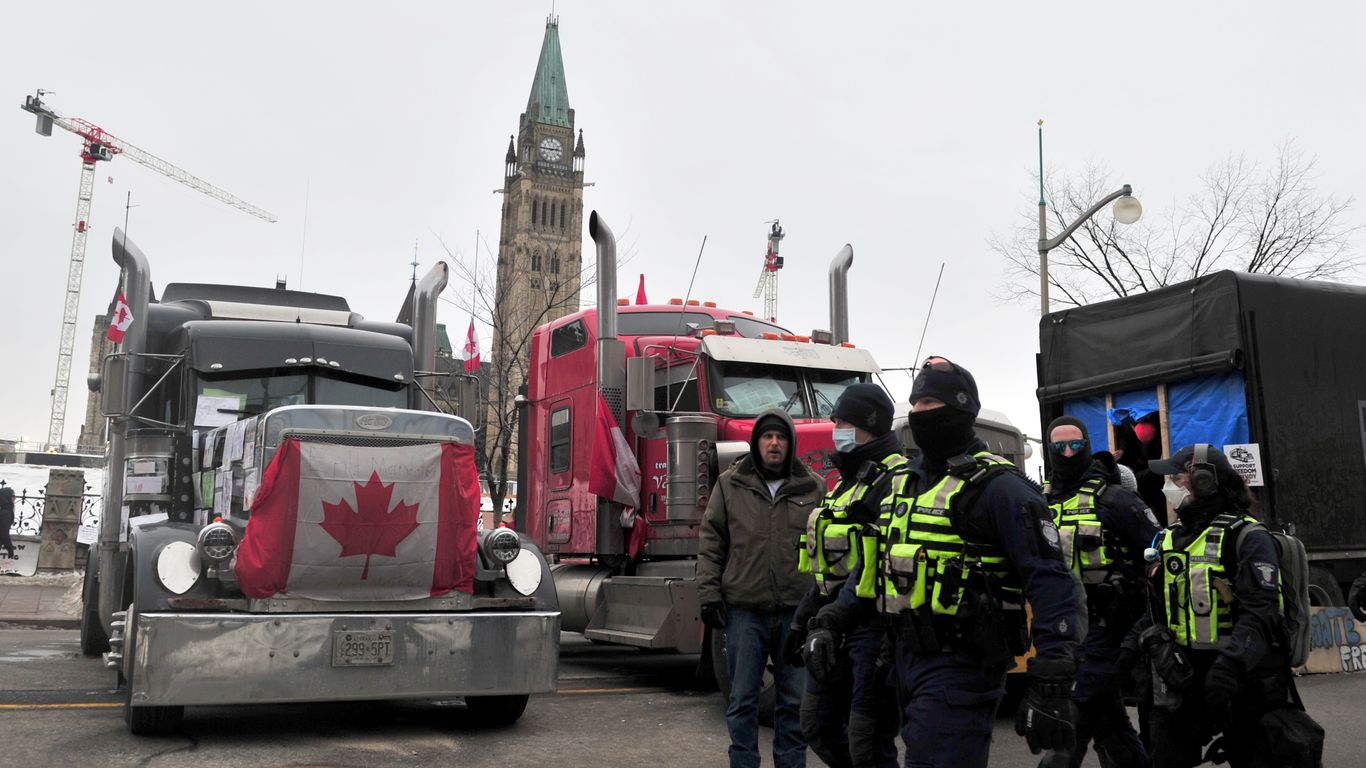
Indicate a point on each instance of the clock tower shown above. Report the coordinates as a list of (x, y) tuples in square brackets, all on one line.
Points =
[(540, 248)]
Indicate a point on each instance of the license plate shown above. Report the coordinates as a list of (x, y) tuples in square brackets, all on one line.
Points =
[(362, 649)]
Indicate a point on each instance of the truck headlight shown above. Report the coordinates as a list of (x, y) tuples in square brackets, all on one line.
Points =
[(217, 542), (502, 545)]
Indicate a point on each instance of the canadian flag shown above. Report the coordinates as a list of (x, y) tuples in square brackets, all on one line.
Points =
[(119, 321), (470, 354), (614, 473), (333, 522)]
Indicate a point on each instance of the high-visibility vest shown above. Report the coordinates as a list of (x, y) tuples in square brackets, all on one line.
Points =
[(1088, 549), (833, 545), (1196, 589), (925, 565)]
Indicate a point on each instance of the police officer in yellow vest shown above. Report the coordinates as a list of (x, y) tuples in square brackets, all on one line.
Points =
[(849, 717), (1218, 639), (965, 539), (1105, 530)]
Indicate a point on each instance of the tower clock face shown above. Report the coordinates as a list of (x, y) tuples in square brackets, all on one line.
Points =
[(551, 149)]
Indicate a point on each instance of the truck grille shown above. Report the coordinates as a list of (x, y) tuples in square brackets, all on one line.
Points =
[(361, 441)]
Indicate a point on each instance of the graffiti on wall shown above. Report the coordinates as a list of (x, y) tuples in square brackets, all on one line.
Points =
[(1337, 641)]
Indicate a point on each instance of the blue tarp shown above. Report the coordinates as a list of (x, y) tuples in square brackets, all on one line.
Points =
[(1210, 409)]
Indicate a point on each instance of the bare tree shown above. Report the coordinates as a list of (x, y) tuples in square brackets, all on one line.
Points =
[(1244, 217)]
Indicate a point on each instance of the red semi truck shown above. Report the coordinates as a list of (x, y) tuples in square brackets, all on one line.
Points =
[(685, 382)]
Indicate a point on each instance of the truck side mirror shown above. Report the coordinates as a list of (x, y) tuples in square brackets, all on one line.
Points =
[(113, 385), (640, 383)]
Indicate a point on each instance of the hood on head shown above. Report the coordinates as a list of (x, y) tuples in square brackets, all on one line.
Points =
[(773, 417)]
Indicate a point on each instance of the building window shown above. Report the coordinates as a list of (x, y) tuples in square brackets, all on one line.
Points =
[(562, 216), (560, 446), (533, 211), (535, 261), (552, 214), (555, 265)]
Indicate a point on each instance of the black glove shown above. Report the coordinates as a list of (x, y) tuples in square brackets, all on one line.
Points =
[(714, 615), (1047, 717), (821, 650), (1356, 598), (792, 645), (1221, 684)]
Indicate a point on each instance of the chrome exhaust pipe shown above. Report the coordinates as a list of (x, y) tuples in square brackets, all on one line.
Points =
[(424, 316), (839, 294)]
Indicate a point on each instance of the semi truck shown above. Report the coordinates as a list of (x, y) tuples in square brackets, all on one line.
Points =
[(685, 381), (1269, 369), (290, 518)]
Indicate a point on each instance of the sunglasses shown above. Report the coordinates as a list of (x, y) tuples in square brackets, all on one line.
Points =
[(1061, 446)]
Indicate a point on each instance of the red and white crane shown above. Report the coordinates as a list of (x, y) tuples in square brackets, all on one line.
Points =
[(98, 145), (768, 276)]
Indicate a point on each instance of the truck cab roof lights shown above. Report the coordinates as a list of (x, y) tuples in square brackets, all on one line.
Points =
[(334, 364), (707, 332), (305, 360), (789, 337), (398, 377), (747, 312), (623, 302), (321, 361), (711, 304), (675, 302), (770, 335), (216, 367), (694, 303), (847, 344), (291, 361)]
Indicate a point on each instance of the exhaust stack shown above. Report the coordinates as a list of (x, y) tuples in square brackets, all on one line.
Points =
[(839, 294), (611, 368), (424, 316)]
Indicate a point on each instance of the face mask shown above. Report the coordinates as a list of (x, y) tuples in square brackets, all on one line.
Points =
[(845, 441)]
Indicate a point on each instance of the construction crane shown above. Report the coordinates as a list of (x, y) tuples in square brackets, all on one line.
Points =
[(768, 276), (97, 145)]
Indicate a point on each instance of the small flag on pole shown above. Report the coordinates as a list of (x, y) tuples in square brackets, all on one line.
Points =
[(470, 354), (640, 292), (119, 321)]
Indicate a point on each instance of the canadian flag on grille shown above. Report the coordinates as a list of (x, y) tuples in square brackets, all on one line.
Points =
[(119, 321), (614, 473), (470, 354), (333, 522)]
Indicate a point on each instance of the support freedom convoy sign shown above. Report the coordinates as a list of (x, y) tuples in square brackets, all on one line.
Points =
[(1246, 459)]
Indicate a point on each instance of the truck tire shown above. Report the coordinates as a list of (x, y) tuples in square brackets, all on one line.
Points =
[(143, 721), (768, 692), (1324, 589), (94, 640), (495, 711)]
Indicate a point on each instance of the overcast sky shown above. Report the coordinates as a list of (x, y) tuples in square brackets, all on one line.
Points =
[(906, 129)]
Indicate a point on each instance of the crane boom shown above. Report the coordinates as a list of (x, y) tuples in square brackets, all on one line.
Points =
[(98, 145)]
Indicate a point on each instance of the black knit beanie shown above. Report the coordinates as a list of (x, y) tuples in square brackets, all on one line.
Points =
[(867, 407)]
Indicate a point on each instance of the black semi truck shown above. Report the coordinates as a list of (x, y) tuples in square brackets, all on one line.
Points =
[(1272, 370)]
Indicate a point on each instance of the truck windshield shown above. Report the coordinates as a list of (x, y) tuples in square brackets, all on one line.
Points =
[(223, 400), (748, 389)]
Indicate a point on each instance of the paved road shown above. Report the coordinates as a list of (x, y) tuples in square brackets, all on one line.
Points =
[(615, 707)]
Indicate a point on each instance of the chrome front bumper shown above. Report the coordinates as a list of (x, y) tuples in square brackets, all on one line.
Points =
[(207, 659)]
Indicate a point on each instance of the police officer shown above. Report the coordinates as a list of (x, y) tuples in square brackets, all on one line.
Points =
[(1219, 640), (964, 540), (849, 717), (1105, 530)]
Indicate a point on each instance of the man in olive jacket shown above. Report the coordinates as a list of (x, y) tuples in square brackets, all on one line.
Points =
[(748, 583)]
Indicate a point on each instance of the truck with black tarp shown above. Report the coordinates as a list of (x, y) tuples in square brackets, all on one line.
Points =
[(1271, 370)]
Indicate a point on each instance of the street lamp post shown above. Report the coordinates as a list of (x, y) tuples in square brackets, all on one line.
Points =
[(1127, 210)]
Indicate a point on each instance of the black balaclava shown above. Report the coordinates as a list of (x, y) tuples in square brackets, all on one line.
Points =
[(942, 433), (1066, 472)]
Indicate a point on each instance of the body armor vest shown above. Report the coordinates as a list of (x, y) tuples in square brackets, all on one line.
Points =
[(1197, 590), (833, 544), (924, 564), (1088, 549)]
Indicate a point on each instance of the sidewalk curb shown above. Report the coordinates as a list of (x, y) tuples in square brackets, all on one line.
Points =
[(50, 621)]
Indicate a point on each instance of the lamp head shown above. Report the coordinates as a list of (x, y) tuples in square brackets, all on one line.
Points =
[(1127, 209)]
